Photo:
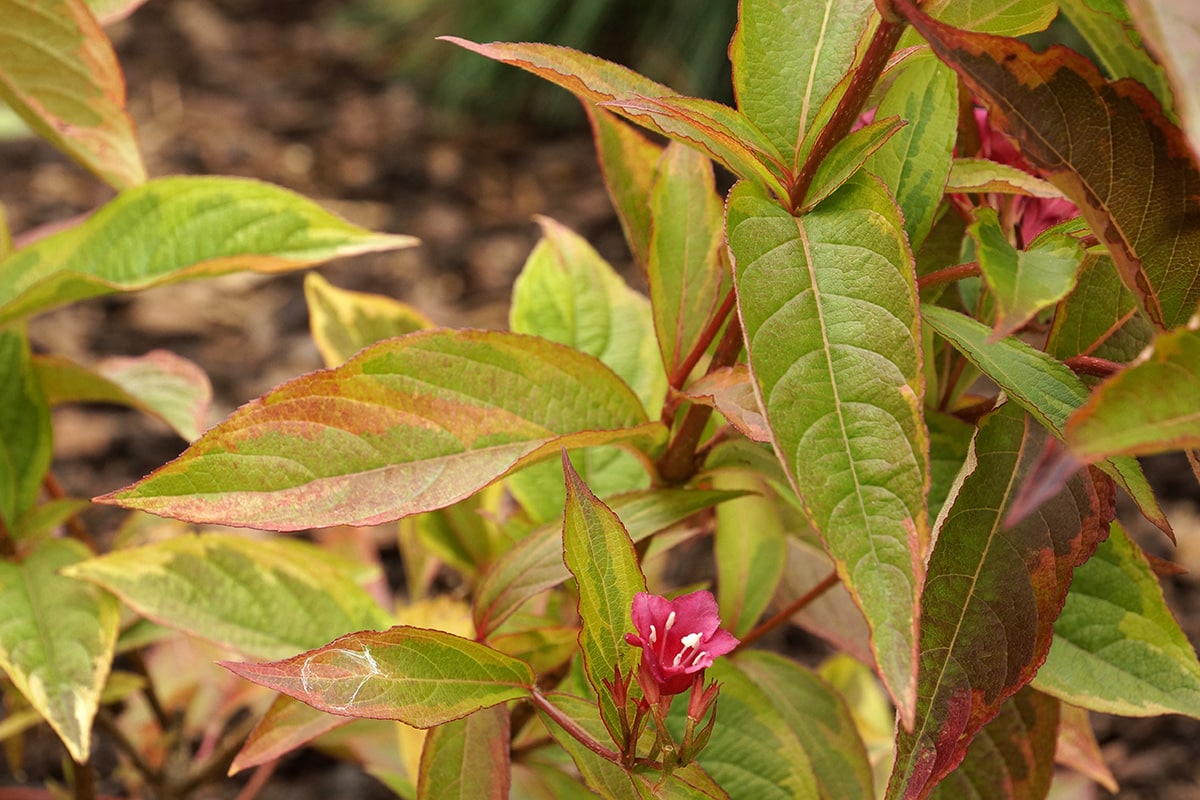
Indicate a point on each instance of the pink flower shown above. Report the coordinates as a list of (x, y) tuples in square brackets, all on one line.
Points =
[(678, 637)]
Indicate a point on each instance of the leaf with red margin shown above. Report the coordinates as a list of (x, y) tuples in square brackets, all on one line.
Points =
[(1107, 146), (629, 162), (416, 676), (1172, 30), (1012, 758), (288, 724), (992, 594), (1077, 746), (468, 758)]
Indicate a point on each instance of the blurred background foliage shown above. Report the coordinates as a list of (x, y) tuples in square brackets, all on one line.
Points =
[(681, 43)]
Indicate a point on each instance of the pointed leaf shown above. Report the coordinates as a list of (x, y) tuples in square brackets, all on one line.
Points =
[(992, 594), (750, 551), (1003, 17), (26, 439), (468, 758), (1107, 27), (848, 155), (57, 637), (59, 72), (110, 11), (160, 383), (1099, 318), (41, 520), (629, 162), (1077, 746), (981, 176), (916, 161), (1117, 648), (1047, 389), (1023, 282), (720, 131), (419, 677), (1172, 31), (818, 716), (174, 229), (370, 441), (343, 322), (1148, 408), (1107, 146), (599, 553), (267, 598), (287, 725), (685, 271), (535, 563), (828, 305), (788, 57), (730, 390), (1013, 756)]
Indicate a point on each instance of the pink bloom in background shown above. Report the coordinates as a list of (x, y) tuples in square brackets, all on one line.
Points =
[(678, 637)]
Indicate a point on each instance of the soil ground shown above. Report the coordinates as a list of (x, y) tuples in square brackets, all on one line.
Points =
[(277, 91)]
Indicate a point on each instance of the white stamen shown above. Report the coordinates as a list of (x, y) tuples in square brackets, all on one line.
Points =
[(700, 655), (678, 657), (670, 622), (653, 635), (691, 640)]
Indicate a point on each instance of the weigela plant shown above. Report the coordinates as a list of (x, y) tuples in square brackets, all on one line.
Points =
[(802, 387)]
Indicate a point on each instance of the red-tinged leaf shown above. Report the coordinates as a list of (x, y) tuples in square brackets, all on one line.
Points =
[(176, 229), (343, 322), (370, 441), (981, 176), (1172, 30), (544, 647), (1012, 758), (1022, 282), (1148, 408), (160, 383), (829, 309), (413, 675), (730, 390), (288, 724), (833, 616), (1078, 749), (629, 162), (535, 563), (992, 594), (59, 73), (1108, 28), (1100, 317), (685, 271), (1107, 146), (468, 758), (26, 439), (598, 551), (847, 156), (788, 57), (720, 131)]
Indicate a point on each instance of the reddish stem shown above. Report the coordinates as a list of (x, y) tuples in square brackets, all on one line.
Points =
[(76, 528), (948, 275), (1090, 365), (706, 336), (572, 727), (787, 611), (883, 42)]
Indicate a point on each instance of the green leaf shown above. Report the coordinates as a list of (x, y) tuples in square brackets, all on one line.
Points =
[(1117, 648), (287, 725), (725, 134), (408, 425), (600, 775), (981, 176), (685, 271), (535, 563), (1003, 17), (26, 439), (160, 383), (59, 73), (1023, 282), (1148, 408), (267, 598), (1099, 318), (1108, 28), (916, 161), (41, 520), (819, 718), (174, 229), (629, 162), (56, 639), (750, 551), (787, 58), (949, 440), (416, 676), (992, 594), (828, 304), (1172, 31), (754, 752), (109, 11), (1013, 756), (599, 553), (1047, 389), (1107, 146), (848, 155), (343, 322), (468, 758)]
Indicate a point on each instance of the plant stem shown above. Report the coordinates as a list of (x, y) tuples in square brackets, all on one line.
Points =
[(1090, 365), (218, 761), (8, 548), (784, 614), (83, 778), (77, 529), (948, 275), (572, 727), (105, 720), (883, 42), (679, 462), (707, 335)]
